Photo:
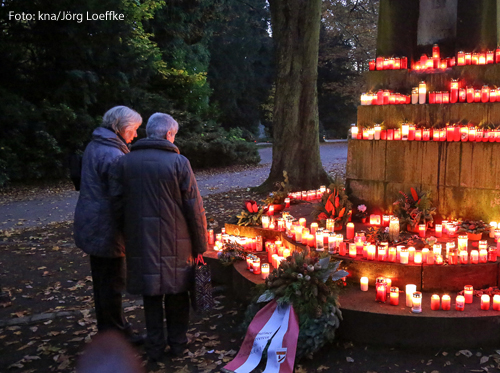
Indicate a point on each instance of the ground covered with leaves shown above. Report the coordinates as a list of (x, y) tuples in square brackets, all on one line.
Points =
[(51, 320)]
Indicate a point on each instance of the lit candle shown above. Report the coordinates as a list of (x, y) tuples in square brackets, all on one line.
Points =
[(265, 221), (311, 240), (425, 255), (462, 242), (439, 230), (446, 302), (385, 220), (286, 253), (394, 296), (271, 210), (464, 257), (392, 254), (302, 222), (287, 203), (493, 226), (421, 230), (381, 290), (352, 250), (264, 268), (439, 259), (454, 91), (256, 266), (460, 303), (485, 302), (305, 235), (298, 233), (474, 256), (496, 302), (422, 91), (483, 256), (411, 254), (364, 283), (436, 248), (403, 255), (314, 227), (416, 302), (382, 253), (468, 293), (482, 245), (371, 252), (350, 231), (410, 289), (374, 219), (435, 302), (418, 257)]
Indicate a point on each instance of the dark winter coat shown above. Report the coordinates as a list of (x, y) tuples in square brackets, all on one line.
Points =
[(95, 228), (163, 217)]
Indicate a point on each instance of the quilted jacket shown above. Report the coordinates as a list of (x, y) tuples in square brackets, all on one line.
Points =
[(95, 229), (163, 217)]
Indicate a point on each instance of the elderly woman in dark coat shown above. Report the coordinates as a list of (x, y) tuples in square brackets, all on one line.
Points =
[(95, 229), (165, 227)]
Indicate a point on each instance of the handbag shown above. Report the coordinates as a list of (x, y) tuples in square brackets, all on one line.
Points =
[(203, 298)]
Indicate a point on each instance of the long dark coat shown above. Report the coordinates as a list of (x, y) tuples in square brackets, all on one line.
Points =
[(95, 229), (163, 217)]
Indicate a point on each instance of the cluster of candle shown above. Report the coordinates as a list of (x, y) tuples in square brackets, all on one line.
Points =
[(435, 62), (392, 63), (248, 243), (452, 254), (254, 266), (320, 238), (385, 97), (414, 297), (276, 253), (468, 94), (309, 195), (409, 132)]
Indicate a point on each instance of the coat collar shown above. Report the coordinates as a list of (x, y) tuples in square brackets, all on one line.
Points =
[(108, 137), (161, 144)]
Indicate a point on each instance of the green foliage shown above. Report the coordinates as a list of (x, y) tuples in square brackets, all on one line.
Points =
[(311, 286), (414, 208), (241, 69), (218, 148)]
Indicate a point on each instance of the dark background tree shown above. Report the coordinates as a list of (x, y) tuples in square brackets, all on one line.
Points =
[(210, 63)]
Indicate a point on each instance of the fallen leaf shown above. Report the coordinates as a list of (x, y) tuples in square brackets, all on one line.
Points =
[(484, 359), (466, 353), (349, 359)]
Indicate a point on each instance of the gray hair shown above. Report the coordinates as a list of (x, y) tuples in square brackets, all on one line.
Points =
[(159, 124), (117, 119)]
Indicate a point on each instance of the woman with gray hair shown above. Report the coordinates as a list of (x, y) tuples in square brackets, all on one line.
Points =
[(96, 231)]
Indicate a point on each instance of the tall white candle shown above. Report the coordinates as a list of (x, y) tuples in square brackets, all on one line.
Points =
[(410, 289)]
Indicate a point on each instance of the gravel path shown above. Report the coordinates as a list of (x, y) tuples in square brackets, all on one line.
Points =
[(40, 211)]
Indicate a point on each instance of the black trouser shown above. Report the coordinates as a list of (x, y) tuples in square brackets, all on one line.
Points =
[(108, 276), (177, 315)]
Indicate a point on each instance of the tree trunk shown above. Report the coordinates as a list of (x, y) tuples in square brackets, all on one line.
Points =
[(295, 27)]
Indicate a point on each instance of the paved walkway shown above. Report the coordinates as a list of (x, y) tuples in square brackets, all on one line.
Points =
[(60, 207)]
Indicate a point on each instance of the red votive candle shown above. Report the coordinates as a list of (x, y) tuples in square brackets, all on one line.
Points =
[(485, 302), (468, 293), (435, 302), (496, 302), (446, 302), (460, 303), (394, 296)]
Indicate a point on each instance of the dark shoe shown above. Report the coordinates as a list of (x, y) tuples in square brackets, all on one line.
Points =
[(136, 339), (177, 351)]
